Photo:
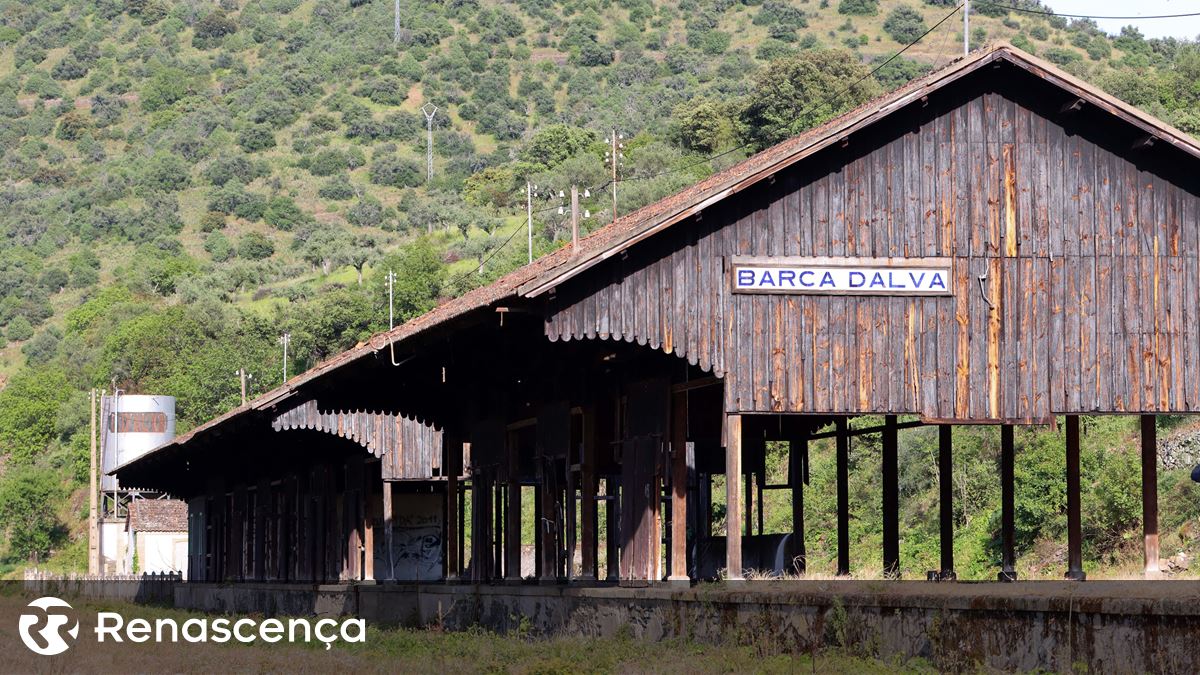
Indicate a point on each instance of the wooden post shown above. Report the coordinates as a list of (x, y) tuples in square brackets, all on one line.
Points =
[(369, 511), (945, 501), (733, 505), (891, 499), (262, 496), (1074, 528), (1008, 558), (388, 532), (587, 492), (1150, 495), (612, 533), (679, 411), (452, 447), (512, 521), (843, 497), (798, 455)]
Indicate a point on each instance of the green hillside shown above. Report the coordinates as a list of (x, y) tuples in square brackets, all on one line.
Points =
[(184, 182)]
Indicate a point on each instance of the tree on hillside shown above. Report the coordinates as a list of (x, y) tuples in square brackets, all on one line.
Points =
[(31, 528), (360, 251), (796, 94), (904, 24), (859, 7), (28, 405)]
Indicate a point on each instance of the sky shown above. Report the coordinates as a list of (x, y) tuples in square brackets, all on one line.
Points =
[(1188, 27)]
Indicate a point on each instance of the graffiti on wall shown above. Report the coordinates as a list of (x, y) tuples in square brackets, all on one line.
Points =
[(416, 553)]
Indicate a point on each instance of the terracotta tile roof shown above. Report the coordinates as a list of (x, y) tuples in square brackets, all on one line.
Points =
[(554, 268), (157, 515)]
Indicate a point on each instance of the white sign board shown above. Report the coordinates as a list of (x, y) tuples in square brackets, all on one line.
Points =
[(842, 276)]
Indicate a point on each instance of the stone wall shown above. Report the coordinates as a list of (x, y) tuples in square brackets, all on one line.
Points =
[(1105, 626)]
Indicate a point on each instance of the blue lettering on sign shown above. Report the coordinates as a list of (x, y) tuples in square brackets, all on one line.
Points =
[(809, 274), (746, 278), (877, 280), (788, 277), (892, 281), (857, 279), (937, 281), (827, 281), (766, 279), (916, 279)]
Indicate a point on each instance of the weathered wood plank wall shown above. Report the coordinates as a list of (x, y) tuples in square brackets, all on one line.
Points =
[(1090, 260)]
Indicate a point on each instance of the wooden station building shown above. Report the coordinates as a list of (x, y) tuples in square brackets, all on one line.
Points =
[(995, 243)]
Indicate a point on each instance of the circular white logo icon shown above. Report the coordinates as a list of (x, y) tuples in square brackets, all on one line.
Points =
[(42, 630)]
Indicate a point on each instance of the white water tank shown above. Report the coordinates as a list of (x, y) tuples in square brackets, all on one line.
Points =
[(133, 425)]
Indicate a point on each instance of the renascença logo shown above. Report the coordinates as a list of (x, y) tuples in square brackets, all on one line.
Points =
[(51, 633), (112, 626)]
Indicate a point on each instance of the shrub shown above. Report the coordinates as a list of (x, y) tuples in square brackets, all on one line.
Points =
[(255, 246), (859, 7), (19, 329), (337, 188), (904, 24), (327, 162), (256, 137), (283, 214), (218, 246), (395, 171)]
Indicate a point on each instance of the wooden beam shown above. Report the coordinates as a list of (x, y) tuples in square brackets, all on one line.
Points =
[(1008, 556), (1074, 527), (678, 553), (843, 498), (798, 455), (946, 501), (733, 505), (612, 515), (587, 492), (452, 448), (862, 431), (1150, 496), (388, 532), (891, 499), (512, 516)]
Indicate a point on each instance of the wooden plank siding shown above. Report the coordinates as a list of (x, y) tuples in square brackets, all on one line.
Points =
[(1090, 256)]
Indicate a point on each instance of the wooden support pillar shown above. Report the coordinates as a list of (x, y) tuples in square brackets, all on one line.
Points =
[(452, 447), (798, 458), (945, 501), (612, 531), (498, 494), (512, 519), (1150, 495), (370, 504), (733, 500), (262, 498), (547, 527), (388, 533), (843, 497), (1008, 558), (1074, 526), (891, 499), (679, 488), (587, 501)]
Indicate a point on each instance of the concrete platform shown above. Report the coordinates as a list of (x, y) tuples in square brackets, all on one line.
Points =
[(1108, 626)]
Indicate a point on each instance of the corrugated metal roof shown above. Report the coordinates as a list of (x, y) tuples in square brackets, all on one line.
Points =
[(555, 268)]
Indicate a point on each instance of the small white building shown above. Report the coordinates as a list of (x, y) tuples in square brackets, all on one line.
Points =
[(157, 530)]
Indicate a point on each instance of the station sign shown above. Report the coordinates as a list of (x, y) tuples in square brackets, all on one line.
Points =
[(842, 276)]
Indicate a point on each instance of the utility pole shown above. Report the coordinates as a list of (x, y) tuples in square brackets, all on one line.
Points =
[(574, 220), (93, 495), (614, 155), (391, 282), (430, 111), (529, 217), (285, 340), (243, 376), (966, 27)]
